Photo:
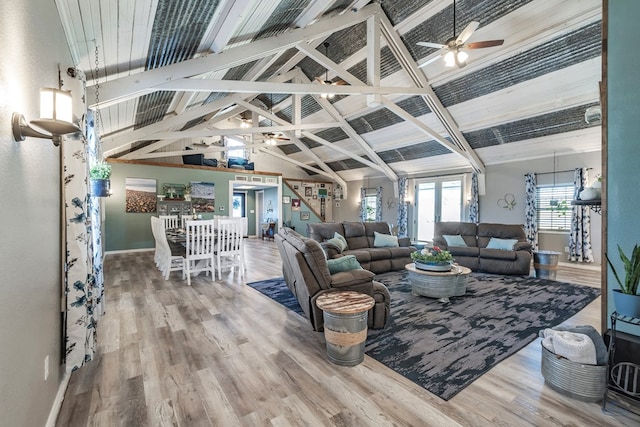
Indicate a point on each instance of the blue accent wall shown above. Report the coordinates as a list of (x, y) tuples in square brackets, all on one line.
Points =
[(623, 137)]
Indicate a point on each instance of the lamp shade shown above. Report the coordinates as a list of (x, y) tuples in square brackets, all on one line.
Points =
[(55, 112), (55, 104)]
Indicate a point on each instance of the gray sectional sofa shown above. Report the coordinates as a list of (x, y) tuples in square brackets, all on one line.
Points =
[(475, 254), (360, 237)]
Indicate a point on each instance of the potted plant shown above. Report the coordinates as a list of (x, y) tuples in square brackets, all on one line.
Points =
[(100, 175), (434, 259), (626, 299), (187, 192)]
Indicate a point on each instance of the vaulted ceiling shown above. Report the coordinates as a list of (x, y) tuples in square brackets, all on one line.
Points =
[(168, 74)]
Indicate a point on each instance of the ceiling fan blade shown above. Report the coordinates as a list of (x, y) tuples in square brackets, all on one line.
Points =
[(433, 45), (486, 43), (339, 83), (430, 60), (466, 33)]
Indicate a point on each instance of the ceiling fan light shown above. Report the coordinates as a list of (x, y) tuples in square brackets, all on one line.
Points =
[(450, 59), (462, 56)]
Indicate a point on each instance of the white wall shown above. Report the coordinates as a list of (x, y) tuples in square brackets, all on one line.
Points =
[(33, 45)]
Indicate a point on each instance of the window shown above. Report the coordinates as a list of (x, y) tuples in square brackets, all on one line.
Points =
[(370, 207), (553, 204), (240, 152)]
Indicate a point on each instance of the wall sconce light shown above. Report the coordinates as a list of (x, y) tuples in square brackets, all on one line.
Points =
[(55, 118)]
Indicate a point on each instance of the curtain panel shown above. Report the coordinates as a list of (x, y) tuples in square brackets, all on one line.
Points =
[(378, 204), (474, 204), (580, 249), (531, 220), (403, 211), (363, 204)]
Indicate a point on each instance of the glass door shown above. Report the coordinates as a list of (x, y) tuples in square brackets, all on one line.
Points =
[(436, 199)]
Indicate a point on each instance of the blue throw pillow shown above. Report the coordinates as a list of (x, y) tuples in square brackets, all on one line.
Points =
[(343, 241), (344, 263), (454, 240), (502, 244), (384, 240), (338, 243)]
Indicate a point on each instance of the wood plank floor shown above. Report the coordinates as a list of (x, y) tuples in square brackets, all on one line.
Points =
[(222, 354)]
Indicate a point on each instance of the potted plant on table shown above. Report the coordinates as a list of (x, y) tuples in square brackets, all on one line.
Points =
[(100, 175), (626, 299), (432, 259)]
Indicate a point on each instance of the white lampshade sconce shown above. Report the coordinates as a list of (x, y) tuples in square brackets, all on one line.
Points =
[(55, 118)]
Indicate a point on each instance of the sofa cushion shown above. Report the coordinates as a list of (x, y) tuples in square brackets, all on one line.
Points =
[(454, 240), (343, 263), (363, 256), (384, 240), (355, 235), (323, 231), (501, 244), (464, 250), (372, 227), (400, 252), (501, 231), (379, 253), (497, 254), (467, 230)]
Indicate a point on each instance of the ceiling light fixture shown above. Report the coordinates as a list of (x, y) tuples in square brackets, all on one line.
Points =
[(55, 118), (327, 82)]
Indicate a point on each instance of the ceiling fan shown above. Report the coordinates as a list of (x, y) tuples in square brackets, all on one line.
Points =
[(271, 138), (326, 80), (453, 52)]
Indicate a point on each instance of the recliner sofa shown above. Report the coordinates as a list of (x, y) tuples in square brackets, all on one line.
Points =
[(306, 273), (476, 256), (360, 237)]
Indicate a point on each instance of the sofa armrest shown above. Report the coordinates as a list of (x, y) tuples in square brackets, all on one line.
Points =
[(351, 278), (522, 246), (404, 241)]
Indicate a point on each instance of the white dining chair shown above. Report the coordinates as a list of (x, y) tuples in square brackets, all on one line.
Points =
[(230, 244), (158, 249), (171, 257), (200, 248), (170, 221)]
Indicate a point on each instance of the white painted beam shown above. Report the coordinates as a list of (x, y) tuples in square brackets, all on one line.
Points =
[(204, 133), (373, 58)]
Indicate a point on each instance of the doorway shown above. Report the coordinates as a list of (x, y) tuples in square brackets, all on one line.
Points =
[(436, 199)]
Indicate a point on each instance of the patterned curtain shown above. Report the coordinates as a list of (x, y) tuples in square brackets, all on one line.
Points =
[(84, 290), (580, 237), (363, 204), (474, 204), (379, 204), (402, 207), (531, 223)]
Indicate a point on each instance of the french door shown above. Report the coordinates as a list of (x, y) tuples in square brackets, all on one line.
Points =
[(436, 199)]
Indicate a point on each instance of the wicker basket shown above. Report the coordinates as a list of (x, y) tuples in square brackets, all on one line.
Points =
[(576, 380)]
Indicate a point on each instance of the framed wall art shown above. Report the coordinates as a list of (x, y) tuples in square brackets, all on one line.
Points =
[(140, 195)]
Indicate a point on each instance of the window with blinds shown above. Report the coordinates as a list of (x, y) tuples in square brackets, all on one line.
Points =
[(553, 205)]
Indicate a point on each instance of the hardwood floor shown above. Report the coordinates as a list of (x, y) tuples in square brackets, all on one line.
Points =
[(220, 353)]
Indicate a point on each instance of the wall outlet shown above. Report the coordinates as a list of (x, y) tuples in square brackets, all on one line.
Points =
[(566, 249), (46, 367)]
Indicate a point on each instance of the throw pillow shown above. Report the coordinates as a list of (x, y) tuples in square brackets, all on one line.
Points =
[(343, 263), (454, 240), (502, 244), (340, 237), (338, 243), (384, 240)]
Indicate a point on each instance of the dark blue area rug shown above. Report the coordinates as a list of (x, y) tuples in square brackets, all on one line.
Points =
[(444, 347)]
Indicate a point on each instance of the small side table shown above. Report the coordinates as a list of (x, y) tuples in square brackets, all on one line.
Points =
[(345, 315)]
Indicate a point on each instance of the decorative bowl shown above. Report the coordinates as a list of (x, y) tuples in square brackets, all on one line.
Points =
[(433, 266)]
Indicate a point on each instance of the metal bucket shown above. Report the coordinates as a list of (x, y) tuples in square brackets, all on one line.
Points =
[(576, 380), (545, 264), (346, 335)]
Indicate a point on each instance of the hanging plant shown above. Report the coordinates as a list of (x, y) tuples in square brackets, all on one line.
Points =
[(100, 175)]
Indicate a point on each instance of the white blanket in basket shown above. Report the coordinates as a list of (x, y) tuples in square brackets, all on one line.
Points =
[(576, 347)]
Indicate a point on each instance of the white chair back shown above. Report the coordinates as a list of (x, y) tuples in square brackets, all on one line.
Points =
[(170, 221), (166, 260), (230, 243), (200, 247)]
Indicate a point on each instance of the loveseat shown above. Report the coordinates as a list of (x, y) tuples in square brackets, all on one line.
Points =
[(472, 246), (370, 242), (307, 275)]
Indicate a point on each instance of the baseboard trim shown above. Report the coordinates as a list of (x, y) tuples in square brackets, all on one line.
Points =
[(126, 251), (57, 403)]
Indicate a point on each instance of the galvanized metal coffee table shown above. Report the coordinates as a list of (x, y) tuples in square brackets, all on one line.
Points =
[(438, 284)]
